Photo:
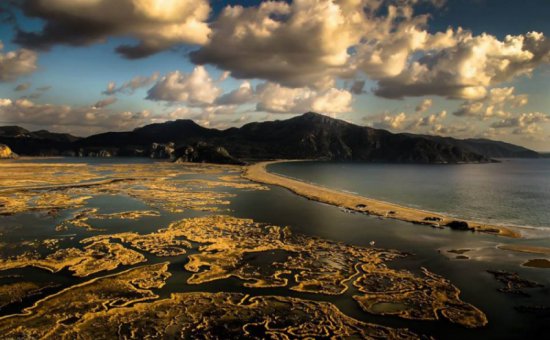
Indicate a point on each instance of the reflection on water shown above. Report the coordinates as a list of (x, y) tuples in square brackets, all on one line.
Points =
[(433, 249), (513, 192)]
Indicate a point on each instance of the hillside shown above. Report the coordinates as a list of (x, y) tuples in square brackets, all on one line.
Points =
[(309, 136)]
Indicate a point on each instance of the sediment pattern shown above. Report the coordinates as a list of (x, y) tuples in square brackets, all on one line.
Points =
[(212, 247)]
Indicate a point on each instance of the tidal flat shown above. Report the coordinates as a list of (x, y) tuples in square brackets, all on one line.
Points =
[(116, 249)]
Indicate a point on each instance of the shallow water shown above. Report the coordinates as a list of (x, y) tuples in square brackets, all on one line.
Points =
[(514, 191), (429, 248)]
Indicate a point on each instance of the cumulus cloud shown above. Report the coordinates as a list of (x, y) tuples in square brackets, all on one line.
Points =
[(498, 102), (156, 24), (314, 42), (198, 89), (430, 120), (130, 86), (275, 98), (388, 121), (194, 89), (465, 65), (524, 123), (433, 124), (14, 64), (104, 102), (302, 43), (424, 105), (79, 120), (241, 95), (22, 87)]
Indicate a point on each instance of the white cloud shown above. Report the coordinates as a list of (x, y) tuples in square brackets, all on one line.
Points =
[(198, 89), (424, 105), (433, 124), (194, 89), (388, 121), (156, 24), (14, 64), (430, 120), (311, 43), (275, 98), (523, 124), (78, 120), (497, 103), (241, 95), (466, 65), (302, 43)]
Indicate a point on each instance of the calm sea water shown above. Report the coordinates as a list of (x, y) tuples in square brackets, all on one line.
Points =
[(514, 191)]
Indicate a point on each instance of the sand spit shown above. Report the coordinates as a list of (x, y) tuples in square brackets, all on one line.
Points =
[(258, 173), (537, 263), (523, 248)]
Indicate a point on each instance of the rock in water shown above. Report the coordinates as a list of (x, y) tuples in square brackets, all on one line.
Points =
[(458, 225), (161, 151), (5, 152), (203, 152)]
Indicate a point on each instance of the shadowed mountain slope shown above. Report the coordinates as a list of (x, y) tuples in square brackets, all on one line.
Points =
[(309, 136)]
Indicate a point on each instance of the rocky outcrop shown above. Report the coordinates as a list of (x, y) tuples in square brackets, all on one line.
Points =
[(162, 151), (100, 154), (6, 153), (459, 225), (202, 152)]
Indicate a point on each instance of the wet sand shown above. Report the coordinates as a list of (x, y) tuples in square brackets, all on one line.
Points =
[(522, 248), (258, 173), (537, 263)]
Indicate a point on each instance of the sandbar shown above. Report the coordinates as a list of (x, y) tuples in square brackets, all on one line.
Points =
[(537, 263), (258, 173), (523, 248)]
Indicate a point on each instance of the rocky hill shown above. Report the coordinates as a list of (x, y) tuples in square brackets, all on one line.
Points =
[(309, 136), (37, 143)]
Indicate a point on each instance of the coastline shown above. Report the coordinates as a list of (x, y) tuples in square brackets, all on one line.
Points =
[(258, 173)]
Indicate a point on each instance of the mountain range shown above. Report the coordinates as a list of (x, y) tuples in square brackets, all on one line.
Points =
[(308, 136)]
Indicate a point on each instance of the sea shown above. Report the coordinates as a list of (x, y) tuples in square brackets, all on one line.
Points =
[(511, 192)]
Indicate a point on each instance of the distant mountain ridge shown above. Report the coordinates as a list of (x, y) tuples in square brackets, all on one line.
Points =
[(308, 136), (37, 143)]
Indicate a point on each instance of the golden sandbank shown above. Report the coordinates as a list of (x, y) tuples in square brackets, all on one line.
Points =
[(524, 248), (258, 172)]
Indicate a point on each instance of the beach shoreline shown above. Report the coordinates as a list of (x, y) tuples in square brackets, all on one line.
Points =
[(257, 172)]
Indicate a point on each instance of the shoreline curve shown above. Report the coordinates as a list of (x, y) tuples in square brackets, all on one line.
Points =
[(257, 172)]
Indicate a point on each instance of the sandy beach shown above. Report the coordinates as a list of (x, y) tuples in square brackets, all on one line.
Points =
[(524, 248), (258, 172)]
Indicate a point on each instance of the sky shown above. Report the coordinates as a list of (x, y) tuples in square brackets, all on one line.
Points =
[(460, 68)]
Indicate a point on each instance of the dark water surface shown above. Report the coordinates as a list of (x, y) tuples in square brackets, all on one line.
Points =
[(514, 191), (280, 207)]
